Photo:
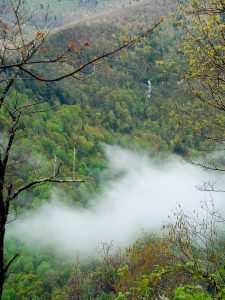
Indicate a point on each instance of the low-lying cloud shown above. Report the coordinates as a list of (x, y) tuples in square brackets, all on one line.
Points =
[(141, 197)]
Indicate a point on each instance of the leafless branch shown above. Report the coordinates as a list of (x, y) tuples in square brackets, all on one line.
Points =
[(42, 181), (10, 262)]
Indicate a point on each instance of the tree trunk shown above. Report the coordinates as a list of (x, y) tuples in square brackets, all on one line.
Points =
[(3, 218), (2, 266)]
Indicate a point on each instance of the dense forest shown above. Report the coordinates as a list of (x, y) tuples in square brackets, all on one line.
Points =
[(77, 77)]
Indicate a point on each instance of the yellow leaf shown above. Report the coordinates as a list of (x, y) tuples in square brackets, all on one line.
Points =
[(77, 50), (124, 39), (63, 58), (73, 61)]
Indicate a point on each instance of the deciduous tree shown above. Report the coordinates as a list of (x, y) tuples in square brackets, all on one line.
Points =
[(204, 48)]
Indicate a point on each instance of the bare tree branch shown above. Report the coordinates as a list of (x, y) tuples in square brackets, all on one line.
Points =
[(91, 62), (41, 181), (10, 262)]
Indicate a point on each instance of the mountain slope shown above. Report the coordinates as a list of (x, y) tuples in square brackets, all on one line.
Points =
[(62, 12)]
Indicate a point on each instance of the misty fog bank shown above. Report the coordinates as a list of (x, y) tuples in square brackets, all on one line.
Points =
[(141, 197)]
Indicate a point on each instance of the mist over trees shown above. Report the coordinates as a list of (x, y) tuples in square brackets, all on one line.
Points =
[(52, 131)]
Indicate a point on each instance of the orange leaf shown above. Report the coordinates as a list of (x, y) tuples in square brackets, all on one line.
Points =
[(39, 33), (44, 50), (86, 44), (5, 29), (72, 46)]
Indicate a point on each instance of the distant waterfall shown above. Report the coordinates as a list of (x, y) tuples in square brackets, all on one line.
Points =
[(149, 89)]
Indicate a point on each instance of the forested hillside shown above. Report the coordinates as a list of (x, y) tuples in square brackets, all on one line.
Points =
[(151, 96)]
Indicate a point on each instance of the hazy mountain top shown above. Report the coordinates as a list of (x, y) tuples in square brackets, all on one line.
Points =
[(62, 12)]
